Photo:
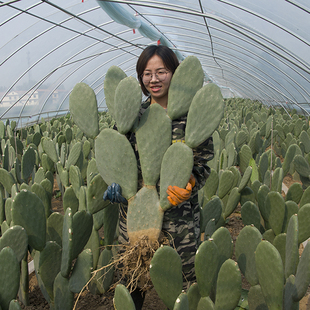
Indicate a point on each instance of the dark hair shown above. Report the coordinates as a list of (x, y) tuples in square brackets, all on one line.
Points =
[(167, 55)]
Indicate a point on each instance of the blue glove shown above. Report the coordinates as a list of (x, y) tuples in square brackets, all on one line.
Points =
[(114, 194)]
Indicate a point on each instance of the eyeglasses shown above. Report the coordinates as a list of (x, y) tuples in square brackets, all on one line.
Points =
[(159, 75)]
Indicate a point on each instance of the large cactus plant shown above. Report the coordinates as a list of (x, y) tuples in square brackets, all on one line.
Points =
[(115, 157), (159, 160)]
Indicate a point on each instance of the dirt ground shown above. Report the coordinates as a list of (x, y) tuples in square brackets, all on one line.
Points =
[(88, 301)]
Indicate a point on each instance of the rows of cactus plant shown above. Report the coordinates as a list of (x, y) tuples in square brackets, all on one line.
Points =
[(31, 156), (219, 286), (26, 193)]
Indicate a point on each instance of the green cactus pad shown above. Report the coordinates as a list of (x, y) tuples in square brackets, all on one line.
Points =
[(182, 302), (4, 227), (166, 274), (176, 169), (105, 271), (246, 243), (76, 180), (289, 293), (127, 102), (63, 297), (95, 190), (212, 210), (92, 170), (50, 149), (210, 229), (98, 219), (256, 298), (245, 178), (232, 202), (269, 266), (294, 193), (54, 226), (83, 108), (245, 155), (292, 150), (222, 239), (261, 198), (186, 81), (305, 198), (67, 243), (81, 272), (211, 184), (279, 243), (277, 179), (49, 265), (28, 211), (291, 247), (6, 179), (10, 275), (74, 154), (122, 299), (144, 216), (17, 239), (275, 211), (204, 115), (250, 214), (70, 200), (206, 259), (116, 161), (301, 166), (153, 139), (63, 174), (228, 287), (93, 244), (226, 183), (303, 223), (302, 279), (14, 305), (205, 303), (8, 210), (194, 296), (42, 194), (112, 78), (82, 224), (28, 162)]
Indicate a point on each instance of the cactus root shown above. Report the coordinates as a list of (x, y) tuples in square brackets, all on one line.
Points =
[(133, 262)]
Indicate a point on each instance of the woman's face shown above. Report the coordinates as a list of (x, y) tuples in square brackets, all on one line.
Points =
[(159, 83)]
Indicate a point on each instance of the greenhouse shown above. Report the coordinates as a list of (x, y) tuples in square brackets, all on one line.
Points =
[(93, 168)]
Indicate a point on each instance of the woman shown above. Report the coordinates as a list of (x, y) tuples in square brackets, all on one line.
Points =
[(155, 68)]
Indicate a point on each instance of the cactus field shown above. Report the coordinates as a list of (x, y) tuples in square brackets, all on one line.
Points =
[(255, 206)]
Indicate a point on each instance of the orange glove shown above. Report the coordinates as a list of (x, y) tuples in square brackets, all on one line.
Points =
[(177, 195)]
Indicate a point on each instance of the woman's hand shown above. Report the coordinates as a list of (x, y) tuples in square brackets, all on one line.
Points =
[(177, 195), (114, 194)]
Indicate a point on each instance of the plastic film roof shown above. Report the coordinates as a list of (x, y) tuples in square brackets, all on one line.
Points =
[(251, 49)]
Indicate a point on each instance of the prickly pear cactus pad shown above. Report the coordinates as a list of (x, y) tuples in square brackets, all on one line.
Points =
[(176, 169), (28, 211), (153, 139), (144, 215), (166, 274), (127, 103), (10, 275), (116, 161), (204, 115), (83, 106), (113, 76), (186, 81)]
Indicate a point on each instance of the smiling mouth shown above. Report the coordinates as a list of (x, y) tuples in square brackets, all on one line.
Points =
[(155, 88)]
